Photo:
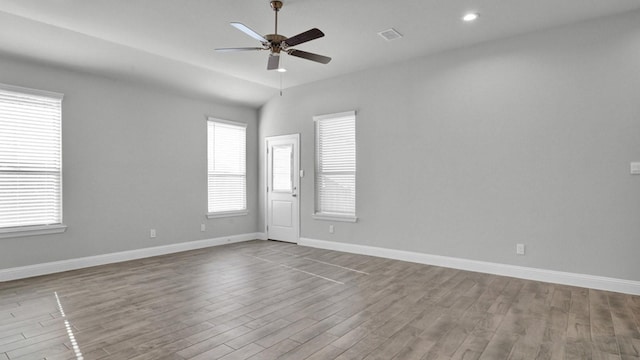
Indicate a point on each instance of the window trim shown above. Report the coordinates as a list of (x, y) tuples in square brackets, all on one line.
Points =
[(42, 229), (231, 213), (224, 214), (35, 92), (328, 216), (334, 217), (34, 230)]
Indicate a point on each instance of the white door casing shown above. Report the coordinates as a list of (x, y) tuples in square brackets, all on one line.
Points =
[(283, 184)]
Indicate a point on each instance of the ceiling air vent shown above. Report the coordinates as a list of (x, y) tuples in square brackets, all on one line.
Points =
[(390, 34)]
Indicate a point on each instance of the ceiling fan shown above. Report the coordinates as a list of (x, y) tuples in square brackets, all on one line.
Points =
[(277, 43)]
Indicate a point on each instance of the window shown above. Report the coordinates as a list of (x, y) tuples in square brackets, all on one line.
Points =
[(30, 162), (227, 168), (335, 182)]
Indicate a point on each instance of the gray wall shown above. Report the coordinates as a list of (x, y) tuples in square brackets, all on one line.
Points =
[(134, 158), (466, 153)]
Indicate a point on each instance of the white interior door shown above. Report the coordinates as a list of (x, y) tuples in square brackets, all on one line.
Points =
[(283, 182)]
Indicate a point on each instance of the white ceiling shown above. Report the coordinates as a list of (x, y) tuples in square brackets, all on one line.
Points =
[(171, 42)]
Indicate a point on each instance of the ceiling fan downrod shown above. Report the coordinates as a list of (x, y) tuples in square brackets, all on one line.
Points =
[(276, 6)]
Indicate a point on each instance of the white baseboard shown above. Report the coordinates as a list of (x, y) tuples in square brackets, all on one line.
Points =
[(551, 276), (79, 263)]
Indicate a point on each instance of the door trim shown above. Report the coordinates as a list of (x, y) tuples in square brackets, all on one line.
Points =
[(265, 181)]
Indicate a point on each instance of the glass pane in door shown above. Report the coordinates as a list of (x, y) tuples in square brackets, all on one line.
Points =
[(282, 168)]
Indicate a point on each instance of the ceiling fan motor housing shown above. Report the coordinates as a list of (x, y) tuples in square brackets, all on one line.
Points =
[(275, 42)]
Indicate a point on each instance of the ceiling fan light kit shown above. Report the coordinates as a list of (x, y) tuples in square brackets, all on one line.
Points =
[(277, 43), (470, 17)]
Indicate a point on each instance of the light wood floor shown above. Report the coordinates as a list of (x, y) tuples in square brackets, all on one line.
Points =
[(270, 300)]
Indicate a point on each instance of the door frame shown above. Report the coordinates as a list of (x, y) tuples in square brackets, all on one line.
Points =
[(296, 137)]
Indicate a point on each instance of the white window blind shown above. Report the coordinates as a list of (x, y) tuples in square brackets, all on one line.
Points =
[(335, 181), (227, 166), (30, 157)]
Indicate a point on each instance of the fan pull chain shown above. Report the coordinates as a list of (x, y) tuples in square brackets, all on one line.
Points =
[(280, 84)]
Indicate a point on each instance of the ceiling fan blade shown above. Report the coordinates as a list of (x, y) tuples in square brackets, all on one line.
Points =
[(274, 62), (304, 37), (247, 30), (238, 49), (309, 56)]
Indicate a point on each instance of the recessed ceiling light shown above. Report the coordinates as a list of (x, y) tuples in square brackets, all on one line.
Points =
[(470, 17), (281, 70)]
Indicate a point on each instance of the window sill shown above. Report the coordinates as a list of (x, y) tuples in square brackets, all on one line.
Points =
[(225, 214), (32, 230), (330, 217)]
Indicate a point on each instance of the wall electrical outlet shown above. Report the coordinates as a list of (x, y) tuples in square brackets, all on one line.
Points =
[(635, 168), (203, 227), (331, 229), (520, 249), (152, 233)]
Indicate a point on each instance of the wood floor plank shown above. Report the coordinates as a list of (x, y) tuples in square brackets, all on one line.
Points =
[(270, 300), (601, 320), (309, 348), (578, 349), (11, 339), (316, 329), (394, 345), (624, 323), (276, 350), (448, 344), (473, 345), (629, 346), (244, 352), (362, 348), (39, 350), (326, 353), (528, 343), (212, 342), (215, 353), (499, 347), (289, 330), (415, 349), (578, 328), (550, 350), (257, 334), (154, 339)]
